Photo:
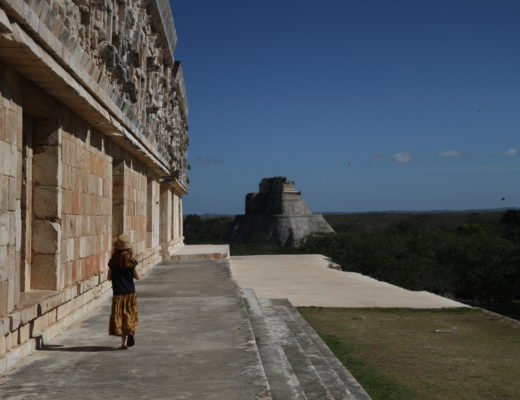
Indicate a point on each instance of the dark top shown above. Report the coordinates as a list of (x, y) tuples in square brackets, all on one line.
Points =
[(122, 265)]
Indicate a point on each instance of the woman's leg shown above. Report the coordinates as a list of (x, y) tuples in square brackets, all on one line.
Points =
[(123, 340)]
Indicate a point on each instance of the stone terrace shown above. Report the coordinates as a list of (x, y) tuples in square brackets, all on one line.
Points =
[(201, 337)]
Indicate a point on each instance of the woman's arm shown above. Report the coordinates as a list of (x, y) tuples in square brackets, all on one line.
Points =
[(109, 275), (137, 274)]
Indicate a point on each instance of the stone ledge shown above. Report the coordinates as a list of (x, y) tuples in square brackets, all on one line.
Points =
[(201, 252), (45, 72), (48, 325)]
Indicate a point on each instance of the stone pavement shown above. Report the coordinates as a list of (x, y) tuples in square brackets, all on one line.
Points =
[(194, 342), (200, 337), (306, 280)]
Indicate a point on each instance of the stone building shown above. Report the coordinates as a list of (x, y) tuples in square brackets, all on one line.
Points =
[(276, 212), (93, 144)]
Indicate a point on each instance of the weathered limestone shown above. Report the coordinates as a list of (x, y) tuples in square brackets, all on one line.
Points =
[(93, 141), (277, 212)]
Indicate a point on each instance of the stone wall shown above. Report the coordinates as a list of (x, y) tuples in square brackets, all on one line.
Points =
[(86, 202), (135, 207), (10, 186), (93, 140)]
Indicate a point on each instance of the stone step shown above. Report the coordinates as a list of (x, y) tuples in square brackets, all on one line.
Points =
[(327, 374), (309, 378), (325, 361), (283, 382)]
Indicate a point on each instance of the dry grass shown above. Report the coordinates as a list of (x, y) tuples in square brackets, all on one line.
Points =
[(397, 355)]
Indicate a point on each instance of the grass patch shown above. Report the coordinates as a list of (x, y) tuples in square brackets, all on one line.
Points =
[(410, 354)]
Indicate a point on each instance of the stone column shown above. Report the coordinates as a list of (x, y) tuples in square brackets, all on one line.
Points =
[(47, 206), (181, 220), (26, 205), (165, 227), (152, 214), (175, 217), (118, 198)]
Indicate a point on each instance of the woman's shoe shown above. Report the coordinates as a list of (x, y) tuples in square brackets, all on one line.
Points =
[(123, 347), (130, 341)]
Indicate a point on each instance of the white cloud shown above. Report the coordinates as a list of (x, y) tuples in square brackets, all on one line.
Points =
[(451, 153), (510, 152), (402, 157)]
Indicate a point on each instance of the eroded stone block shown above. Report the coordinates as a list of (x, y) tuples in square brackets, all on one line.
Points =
[(46, 236), (47, 166), (24, 333), (45, 273), (47, 202)]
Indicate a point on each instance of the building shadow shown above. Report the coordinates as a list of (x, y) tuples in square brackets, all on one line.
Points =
[(79, 349)]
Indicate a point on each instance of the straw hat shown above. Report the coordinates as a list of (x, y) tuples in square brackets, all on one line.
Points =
[(122, 243)]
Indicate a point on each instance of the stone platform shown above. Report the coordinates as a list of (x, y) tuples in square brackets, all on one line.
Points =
[(307, 280), (201, 252), (200, 337)]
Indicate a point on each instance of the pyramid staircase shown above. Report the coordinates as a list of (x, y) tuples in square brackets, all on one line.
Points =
[(298, 365)]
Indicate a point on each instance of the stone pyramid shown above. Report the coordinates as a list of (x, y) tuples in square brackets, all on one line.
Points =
[(277, 212)]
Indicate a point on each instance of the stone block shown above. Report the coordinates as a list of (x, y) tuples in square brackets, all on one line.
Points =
[(75, 202), (5, 323), (45, 273), (4, 271), (42, 322), (46, 236), (77, 248), (11, 200), (3, 297), (8, 342), (17, 228), (87, 296), (63, 310), (11, 294), (24, 333), (83, 247), (4, 192), (47, 166), (52, 302), (66, 202), (28, 313), (2, 347), (6, 158), (13, 125), (14, 321), (47, 201), (18, 353), (71, 292), (69, 249)]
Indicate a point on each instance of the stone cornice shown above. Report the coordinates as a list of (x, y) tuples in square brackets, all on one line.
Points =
[(167, 26), (105, 108)]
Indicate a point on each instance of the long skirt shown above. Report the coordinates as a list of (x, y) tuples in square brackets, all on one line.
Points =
[(124, 318)]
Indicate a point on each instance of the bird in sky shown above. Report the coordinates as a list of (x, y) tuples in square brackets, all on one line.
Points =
[(476, 109), (503, 198)]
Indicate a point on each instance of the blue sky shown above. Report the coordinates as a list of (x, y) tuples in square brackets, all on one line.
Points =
[(422, 98)]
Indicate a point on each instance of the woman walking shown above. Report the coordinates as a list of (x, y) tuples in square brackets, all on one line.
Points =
[(122, 272)]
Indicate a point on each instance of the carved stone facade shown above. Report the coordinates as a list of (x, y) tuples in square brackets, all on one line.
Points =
[(93, 144), (276, 212)]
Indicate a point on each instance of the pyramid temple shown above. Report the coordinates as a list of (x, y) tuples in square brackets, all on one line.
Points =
[(276, 212)]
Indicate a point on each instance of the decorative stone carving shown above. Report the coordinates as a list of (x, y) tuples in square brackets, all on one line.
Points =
[(130, 44)]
